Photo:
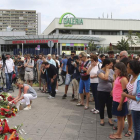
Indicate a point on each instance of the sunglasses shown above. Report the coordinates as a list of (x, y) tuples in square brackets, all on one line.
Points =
[(80, 57), (72, 54)]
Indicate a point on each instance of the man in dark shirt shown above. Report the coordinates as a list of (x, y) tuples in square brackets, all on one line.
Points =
[(52, 73), (69, 71)]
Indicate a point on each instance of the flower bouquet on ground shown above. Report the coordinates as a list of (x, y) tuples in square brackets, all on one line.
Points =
[(9, 134), (7, 110)]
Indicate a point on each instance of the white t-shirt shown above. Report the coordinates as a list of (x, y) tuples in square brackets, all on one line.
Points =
[(9, 65), (58, 62), (94, 72)]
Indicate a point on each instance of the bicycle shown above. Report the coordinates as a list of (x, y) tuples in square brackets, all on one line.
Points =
[(61, 79)]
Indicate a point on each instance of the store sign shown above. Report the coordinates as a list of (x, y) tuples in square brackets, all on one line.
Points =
[(70, 21), (32, 41)]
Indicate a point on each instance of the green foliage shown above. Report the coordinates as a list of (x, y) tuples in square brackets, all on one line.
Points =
[(123, 45), (130, 37), (91, 46)]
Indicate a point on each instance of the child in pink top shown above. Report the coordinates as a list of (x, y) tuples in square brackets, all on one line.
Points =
[(119, 85)]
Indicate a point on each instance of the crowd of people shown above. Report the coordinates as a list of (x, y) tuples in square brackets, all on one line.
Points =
[(114, 81)]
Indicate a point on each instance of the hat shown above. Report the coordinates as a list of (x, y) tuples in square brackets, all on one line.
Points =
[(22, 59)]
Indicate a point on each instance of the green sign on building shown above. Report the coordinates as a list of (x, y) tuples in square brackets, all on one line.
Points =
[(70, 21)]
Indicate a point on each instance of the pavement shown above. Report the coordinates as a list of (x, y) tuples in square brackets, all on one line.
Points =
[(57, 119)]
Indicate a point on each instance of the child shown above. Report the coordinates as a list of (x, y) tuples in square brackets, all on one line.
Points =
[(43, 78), (119, 85)]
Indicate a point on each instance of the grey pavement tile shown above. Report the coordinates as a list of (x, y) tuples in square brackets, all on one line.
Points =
[(37, 131), (32, 137), (51, 136), (86, 138), (104, 131), (87, 133), (103, 137), (91, 127), (58, 128)]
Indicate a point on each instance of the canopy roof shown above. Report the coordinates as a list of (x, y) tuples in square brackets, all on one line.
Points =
[(56, 37)]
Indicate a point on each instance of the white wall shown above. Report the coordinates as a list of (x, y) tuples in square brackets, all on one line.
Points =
[(97, 24), (12, 33), (39, 23)]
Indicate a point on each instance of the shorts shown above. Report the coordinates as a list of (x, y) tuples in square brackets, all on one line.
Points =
[(84, 84), (123, 112), (29, 75), (39, 75), (68, 79), (43, 81)]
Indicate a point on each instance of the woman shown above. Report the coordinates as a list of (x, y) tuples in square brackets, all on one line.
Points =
[(92, 70), (119, 85), (84, 83), (133, 88), (29, 94), (104, 89)]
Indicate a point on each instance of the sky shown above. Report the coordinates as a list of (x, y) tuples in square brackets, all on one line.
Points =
[(50, 9)]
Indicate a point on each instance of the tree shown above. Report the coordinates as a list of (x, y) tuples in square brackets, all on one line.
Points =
[(123, 45), (130, 38), (91, 46)]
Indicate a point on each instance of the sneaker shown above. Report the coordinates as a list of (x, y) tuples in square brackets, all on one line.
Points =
[(27, 108), (64, 96), (50, 97), (56, 90), (92, 110), (96, 112)]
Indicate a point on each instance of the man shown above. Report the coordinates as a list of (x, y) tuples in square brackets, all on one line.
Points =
[(29, 65), (52, 74), (21, 68), (38, 67), (69, 72), (123, 54), (111, 54), (102, 58), (9, 68), (63, 66), (50, 60)]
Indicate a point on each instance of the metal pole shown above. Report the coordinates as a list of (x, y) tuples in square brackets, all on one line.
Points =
[(50, 48), (57, 48), (0, 50), (22, 49)]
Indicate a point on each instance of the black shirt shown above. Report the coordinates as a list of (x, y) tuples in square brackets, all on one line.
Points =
[(51, 71), (70, 66)]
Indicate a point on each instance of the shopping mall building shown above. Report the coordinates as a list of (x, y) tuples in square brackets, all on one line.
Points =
[(72, 33)]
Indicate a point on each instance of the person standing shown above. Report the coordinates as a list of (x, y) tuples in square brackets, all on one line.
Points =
[(52, 74), (69, 72), (133, 95), (119, 86), (29, 65), (50, 61), (84, 84), (63, 66), (92, 70), (38, 67), (21, 68), (104, 89), (9, 68)]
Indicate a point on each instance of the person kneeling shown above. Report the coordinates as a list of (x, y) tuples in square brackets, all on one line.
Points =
[(29, 94)]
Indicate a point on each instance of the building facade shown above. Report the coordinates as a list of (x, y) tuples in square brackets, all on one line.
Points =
[(110, 30), (20, 20)]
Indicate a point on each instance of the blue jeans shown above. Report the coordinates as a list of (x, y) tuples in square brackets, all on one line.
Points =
[(84, 84), (136, 124), (8, 80), (94, 92)]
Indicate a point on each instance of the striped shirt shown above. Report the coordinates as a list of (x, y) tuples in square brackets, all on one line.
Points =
[(130, 89)]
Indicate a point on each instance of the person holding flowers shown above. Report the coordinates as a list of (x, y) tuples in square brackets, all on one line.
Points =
[(29, 94)]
